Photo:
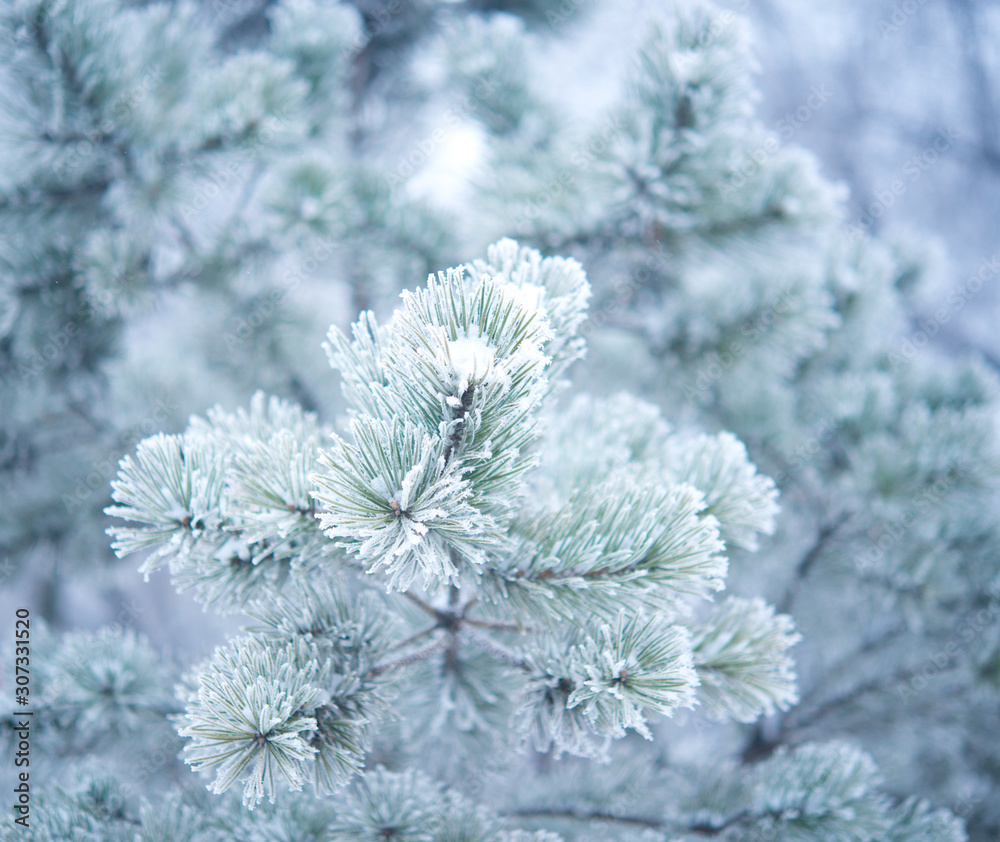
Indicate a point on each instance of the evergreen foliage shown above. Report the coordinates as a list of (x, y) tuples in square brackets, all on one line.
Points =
[(485, 601), (584, 597), (435, 483), (728, 287), (150, 163)]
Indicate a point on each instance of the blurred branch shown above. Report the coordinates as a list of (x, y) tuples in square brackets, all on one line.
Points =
[(981, 93)]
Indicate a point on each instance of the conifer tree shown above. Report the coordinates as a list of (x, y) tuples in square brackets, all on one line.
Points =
[(729, 286), (487, 604), (461, 566), (152, 159)]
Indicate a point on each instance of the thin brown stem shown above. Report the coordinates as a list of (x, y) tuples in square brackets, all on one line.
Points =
[(426, 606), (423, 654), (497, 650), (413, 638), (826, 533), (634, 821), (583, 816), (496, 626)]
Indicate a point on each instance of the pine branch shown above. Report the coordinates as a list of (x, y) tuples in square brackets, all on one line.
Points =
[(803, 718), (497, 650), (413, 638), (591, 816), (587, 816), (824, 536), (422, 654), (495, 626)]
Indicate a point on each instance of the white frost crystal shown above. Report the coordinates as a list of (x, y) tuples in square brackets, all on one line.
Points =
[(471, 359)]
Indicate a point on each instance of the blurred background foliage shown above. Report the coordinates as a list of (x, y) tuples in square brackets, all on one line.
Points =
[(191, 193)]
